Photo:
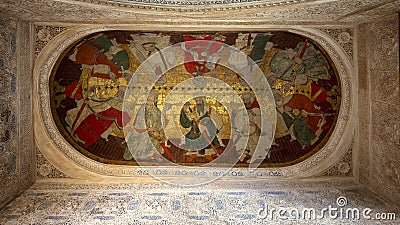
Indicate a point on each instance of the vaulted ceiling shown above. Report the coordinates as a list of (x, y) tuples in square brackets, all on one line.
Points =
[(209, 11)]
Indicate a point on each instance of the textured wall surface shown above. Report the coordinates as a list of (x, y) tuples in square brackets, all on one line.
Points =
[(215, 203), (16, 155), (379, 97), (227, 12)]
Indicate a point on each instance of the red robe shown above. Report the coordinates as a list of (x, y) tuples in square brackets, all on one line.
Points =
[(318, 94), (88, 53), (194, 56), (95, 124), (301, 102)]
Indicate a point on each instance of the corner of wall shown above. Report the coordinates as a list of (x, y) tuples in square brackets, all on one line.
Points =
[(379, 97), (17, 158)]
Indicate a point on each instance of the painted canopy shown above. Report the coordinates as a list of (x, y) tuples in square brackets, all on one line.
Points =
[(89, 83)]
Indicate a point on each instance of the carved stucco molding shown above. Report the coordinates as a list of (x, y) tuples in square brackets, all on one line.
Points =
[(16, 139), (44, 34), (341, 138), (343, 168), (68, 160), (24, 98), (344, 38), (129, 3), (262, 11), (197, 7)]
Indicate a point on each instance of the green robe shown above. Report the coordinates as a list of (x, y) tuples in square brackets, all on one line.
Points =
[(302, 130), (194, 133), (313, 64)]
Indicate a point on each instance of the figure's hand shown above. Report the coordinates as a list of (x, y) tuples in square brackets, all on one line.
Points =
[(317, 107), (287, 108), (151, 129), (288, 86), (321, 122), (298, 60), (304, 113)]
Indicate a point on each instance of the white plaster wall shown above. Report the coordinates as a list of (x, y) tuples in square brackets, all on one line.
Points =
[(379, 108)]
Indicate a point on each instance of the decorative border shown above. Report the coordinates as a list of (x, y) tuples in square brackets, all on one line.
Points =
[(24, 95), (344, 38), (159, 5), (80, 202), (17, 159), (64, 157), (128, 3)]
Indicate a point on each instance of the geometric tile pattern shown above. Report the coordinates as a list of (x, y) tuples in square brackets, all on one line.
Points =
[(15, 110), (216, 203)]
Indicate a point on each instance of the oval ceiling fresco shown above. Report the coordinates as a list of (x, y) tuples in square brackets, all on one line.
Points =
[(89, 82)]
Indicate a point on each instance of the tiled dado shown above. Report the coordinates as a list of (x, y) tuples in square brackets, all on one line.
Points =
[(219, 203)]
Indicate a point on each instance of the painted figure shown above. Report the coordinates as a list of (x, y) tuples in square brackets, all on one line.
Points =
[(303, 119), (281, 129), (303, 59), (147, 47), (203, 131), (297, 104), (201, 57), (254, 129), (147, 133), (99, 91), (300, 84)]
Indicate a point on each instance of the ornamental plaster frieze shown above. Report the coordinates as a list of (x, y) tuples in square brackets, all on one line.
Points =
[(286, 11), (342, 35), (16, 132), (342, 168)]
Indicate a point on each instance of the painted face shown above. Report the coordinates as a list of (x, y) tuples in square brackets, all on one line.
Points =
[(278, 98), (153, 98), (247, 100), (199, 101), (291, 53)]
